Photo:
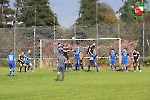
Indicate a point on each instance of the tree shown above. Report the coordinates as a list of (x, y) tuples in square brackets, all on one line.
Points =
[(106, 14), (35, 12), (91, 9), (146, 21), (147, 18), (6, 14), (126, 17)]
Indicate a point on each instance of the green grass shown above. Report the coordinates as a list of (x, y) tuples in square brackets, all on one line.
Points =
[(78, 85)]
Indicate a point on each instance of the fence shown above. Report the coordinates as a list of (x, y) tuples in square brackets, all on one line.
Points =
[(29, 38)]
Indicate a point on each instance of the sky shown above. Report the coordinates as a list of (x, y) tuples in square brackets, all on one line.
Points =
[(67, 10)]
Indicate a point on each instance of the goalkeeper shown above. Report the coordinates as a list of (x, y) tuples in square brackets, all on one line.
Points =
[(61, 66)]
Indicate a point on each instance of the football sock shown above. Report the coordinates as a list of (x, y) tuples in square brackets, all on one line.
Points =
[(96, 66), (75, 66), (126, 67), (97, 70), (111, 67), (25, 68), (81, 67), (31, 68), (78, 66), (115, 67), (134, 68), (139, 67), (88, 68), (65, 66), (20, 69), (13, 70), (28, 68), (10, 72)]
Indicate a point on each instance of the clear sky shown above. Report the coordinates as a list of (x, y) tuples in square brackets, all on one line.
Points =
[(67, 10)]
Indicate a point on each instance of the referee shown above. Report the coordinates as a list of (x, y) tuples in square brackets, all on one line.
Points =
[(61, 66), (136, 57)]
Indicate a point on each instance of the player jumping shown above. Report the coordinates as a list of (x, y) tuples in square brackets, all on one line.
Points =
[(90, 52), (59, 48), (95, 59)]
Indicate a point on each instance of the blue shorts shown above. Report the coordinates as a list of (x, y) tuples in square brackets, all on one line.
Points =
[(11, 65), (113, 61), (124, 61), (27, 62), (76, 59), (94, 60)]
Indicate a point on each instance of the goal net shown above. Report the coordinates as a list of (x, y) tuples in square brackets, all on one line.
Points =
[(49, 54)]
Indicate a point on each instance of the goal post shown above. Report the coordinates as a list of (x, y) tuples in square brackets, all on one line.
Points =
[(48, 54), (119, 46)]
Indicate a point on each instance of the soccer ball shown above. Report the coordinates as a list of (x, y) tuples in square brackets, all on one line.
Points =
[(69, 68), (73, 38)]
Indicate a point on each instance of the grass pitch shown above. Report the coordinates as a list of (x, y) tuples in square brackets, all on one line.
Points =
[(78, 85)]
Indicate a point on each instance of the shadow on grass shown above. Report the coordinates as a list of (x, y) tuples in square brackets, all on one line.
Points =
[(119, 69), (57, 80), (54, 70), (123, 70), (89, 70)]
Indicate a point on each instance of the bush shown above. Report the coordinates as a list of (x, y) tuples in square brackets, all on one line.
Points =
[(3, 63), (147, 61)]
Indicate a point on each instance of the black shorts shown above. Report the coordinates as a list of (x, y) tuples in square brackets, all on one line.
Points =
[(91, 62), (81, 62), (135, 62), (21, 62), (67, 57)]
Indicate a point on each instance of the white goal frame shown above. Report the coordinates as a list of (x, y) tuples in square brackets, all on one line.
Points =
[(81, 39)]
